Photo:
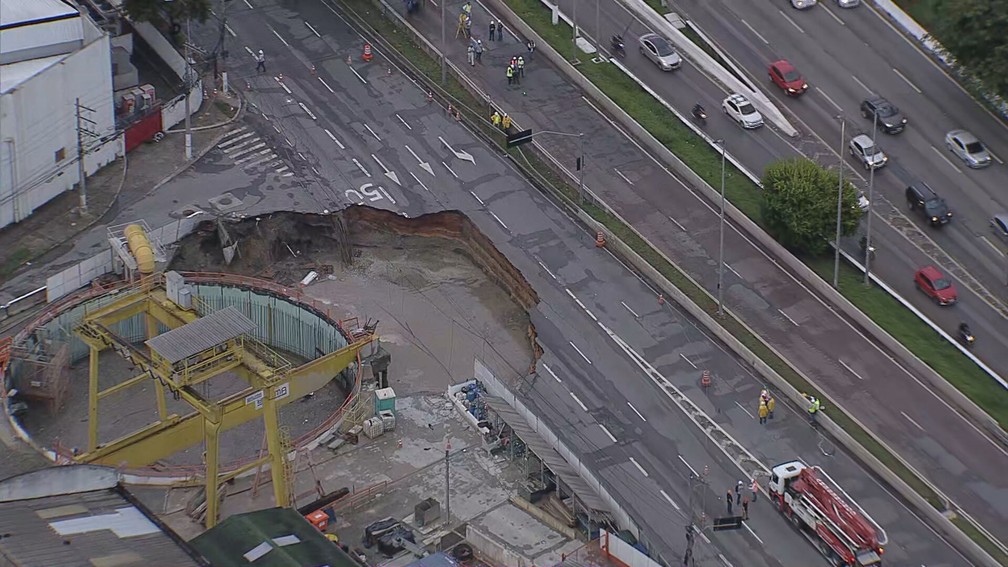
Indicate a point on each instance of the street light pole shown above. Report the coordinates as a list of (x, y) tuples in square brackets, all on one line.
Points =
[(721, 264), (871, 202), (188, 88), (581, 166), (839, 206), (444, 46)]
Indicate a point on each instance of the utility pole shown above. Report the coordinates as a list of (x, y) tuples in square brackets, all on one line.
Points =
[(839, 205), (224, 53), (871, 199), (81, 151), (580, 166), (720, 273), (188, 89), (447, 482), (692, 528), (444, 46)]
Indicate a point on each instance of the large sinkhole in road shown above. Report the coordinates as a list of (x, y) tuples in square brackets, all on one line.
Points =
[(442, 293)]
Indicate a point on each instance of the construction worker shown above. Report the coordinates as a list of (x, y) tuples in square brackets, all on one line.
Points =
[(495, 119), (521, 66), (260, 62), (479, 51), (738, 492), (530, 45), (764, 396), (728, 499), (468, 27), (493, 28), (813, 408), (745, 507), (506, 122), (754, 487), (763, 412), (770, 407), (510, 75), (471, 54), (500, 31), (467, 8)]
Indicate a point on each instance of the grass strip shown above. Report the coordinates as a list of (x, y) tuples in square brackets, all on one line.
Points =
[(701, 158), (547, 178), (14, 261)]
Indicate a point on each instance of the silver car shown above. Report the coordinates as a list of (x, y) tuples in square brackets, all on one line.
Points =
[(999, 224), (866, 152), (739, 109), (802, 4), (659, 51), (968, 148), (848, 3)]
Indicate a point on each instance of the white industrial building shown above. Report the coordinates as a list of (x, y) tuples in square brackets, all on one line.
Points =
[(50, 56)]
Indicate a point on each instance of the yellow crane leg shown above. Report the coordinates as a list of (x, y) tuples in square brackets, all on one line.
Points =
[(162, 405), (277, 452), (212, 471), (93, 398)]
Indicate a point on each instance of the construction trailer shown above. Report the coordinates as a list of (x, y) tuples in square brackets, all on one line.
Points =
[(820, 509)]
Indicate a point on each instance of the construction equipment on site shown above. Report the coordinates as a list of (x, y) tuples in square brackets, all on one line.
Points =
[(826, 515)]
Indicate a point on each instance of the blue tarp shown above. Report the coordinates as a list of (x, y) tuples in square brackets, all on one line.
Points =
[(439, 559)]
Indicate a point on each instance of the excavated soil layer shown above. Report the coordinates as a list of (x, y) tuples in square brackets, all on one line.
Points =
[(427, 278)]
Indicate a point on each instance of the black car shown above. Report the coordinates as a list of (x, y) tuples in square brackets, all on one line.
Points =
[(933, 208), (890, 119)]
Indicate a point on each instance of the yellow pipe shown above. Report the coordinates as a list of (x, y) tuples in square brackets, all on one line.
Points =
[(140, 246)]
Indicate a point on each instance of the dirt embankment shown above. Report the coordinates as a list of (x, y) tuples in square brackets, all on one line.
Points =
[(283, 246)]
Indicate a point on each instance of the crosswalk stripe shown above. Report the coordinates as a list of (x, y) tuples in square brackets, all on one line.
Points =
[(249, 150), (281, 169), (231, 133), (251, 157), (265, 159), (232, 140), (244, 144)]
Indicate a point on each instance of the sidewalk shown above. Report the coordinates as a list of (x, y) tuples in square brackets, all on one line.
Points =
[(42, 236)]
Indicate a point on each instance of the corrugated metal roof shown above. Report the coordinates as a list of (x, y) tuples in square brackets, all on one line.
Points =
[(547, 453), (16, 73), (100, 527), (226, 544), (202, 334), (19, 12)]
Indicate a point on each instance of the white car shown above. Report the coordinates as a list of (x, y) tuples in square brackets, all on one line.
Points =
[(848, 3), (802, 4), (865, 151), (739, 109)]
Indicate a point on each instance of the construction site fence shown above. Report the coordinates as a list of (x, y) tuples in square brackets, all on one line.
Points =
[(84, 301)]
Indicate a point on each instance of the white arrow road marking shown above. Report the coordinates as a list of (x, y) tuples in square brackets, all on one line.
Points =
[(426, 166), (388, 173), (458, 153)]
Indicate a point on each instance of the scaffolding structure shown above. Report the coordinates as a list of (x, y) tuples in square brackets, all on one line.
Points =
[(44, 373)]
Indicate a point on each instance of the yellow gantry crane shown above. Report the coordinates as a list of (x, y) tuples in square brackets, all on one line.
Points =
[(194, 350)]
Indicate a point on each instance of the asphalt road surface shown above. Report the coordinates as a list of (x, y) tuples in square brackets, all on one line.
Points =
[(885, 397), (903, 241), (354, 128)]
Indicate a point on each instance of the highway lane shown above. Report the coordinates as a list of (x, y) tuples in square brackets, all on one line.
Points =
[(817, 112), (794, 321), (368, 113), (844, 77)]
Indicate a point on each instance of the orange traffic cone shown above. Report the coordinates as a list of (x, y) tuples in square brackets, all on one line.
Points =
[(599, 239), (705, 379), (313, 72), (367, 52), (349, 60), (280, 78)]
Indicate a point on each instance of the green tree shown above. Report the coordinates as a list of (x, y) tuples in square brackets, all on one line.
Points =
[(172, 11), (800, 205), (975, 32)]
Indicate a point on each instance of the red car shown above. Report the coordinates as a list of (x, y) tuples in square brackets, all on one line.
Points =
[(785, 76), (935, 285)]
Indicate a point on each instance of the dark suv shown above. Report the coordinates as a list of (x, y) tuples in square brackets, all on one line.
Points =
[(933, 208), (890, 119)]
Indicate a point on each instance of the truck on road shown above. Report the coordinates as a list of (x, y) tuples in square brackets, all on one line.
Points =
[(826, 515)]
